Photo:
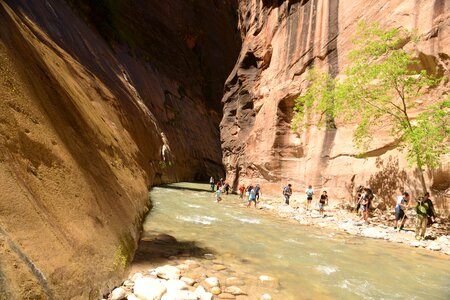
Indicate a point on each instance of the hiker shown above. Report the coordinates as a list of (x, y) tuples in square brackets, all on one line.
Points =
[(431, 213), (241, 191), (287, 193), (402, 205), (219, 185), (360, 191), (248, 189), (364, 205), (257, 191), (218, 195), (422, 220), (211, 182), (251, 197), (322, 201), (226, 187), (309, 196)]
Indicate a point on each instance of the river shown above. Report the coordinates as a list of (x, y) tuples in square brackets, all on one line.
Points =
[(309, 262)]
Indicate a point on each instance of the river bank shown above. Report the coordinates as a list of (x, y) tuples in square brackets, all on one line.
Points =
[(338, 217)]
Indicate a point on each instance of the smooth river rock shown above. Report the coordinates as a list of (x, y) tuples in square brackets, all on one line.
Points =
[(212, 281), (168, 272), (215, 290), (118, 294), (180, 295), (175, 285), (188, 280), (149, 288), (234, 290)]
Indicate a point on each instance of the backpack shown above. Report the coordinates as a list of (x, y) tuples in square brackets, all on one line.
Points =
[(309, 193), (285, 190)]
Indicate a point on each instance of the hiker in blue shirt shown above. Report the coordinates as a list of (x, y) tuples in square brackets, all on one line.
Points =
[(251, 198), (309, 196)]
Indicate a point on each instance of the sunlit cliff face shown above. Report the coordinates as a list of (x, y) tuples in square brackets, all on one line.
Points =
[(282, 40)]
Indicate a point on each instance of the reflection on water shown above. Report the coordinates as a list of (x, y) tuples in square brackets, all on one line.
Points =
[(309, 262)]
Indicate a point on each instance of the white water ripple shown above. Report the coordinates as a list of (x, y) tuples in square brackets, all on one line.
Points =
[(327, 269), (205, 220)]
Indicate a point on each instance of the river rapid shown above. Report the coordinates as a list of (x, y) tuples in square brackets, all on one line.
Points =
[(309, 262)]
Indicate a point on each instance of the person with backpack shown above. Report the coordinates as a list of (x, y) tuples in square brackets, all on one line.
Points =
[(309, 196), (251, 198), (431, 213), (322, 201), (422, 220), (257, 191), (287, 193), (402, 205)]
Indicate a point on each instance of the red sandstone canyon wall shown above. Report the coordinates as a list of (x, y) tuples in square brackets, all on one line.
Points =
[(90, 120), (281, 40)]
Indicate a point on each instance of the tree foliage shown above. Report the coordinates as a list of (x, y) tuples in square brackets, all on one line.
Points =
[(380, 89)]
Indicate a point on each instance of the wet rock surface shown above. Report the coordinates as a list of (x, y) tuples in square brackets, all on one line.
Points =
[(212, 284)]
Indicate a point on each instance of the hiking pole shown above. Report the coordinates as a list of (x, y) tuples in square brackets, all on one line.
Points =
[(404, 216)]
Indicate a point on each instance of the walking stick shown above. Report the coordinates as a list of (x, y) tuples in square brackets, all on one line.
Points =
[(400, 227)]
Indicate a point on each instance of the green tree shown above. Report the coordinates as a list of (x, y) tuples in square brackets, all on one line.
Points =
[(380, 89)]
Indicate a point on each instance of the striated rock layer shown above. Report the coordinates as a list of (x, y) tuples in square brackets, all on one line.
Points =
[(87, 124), (281, 40)]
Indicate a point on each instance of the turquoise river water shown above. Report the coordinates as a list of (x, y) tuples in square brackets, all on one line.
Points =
[(310, 263)]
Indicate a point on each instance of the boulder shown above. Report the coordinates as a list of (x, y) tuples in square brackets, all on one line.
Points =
[(132, 297), (149, 288), (212, 281), (434, 246), (180, 295), (175, 285), (206, 296), (188, 280), (118, 294), (216, 290), (168, 272), (234, 290)]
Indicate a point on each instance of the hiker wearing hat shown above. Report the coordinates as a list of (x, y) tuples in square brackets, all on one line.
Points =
[(422, 220)]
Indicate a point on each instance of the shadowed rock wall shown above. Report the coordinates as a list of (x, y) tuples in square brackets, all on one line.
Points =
[(88, 124), (281, 40)]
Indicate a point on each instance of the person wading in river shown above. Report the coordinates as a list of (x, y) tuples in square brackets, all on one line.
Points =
[(241, 191), (287, 193), (218, 195), (251, 197), (402, 205), (257, 191)]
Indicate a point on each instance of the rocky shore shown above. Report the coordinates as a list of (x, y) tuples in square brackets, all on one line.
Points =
[(340, 217), (205, 278)]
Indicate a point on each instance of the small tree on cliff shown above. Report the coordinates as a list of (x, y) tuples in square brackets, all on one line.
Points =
[(380, 89)]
